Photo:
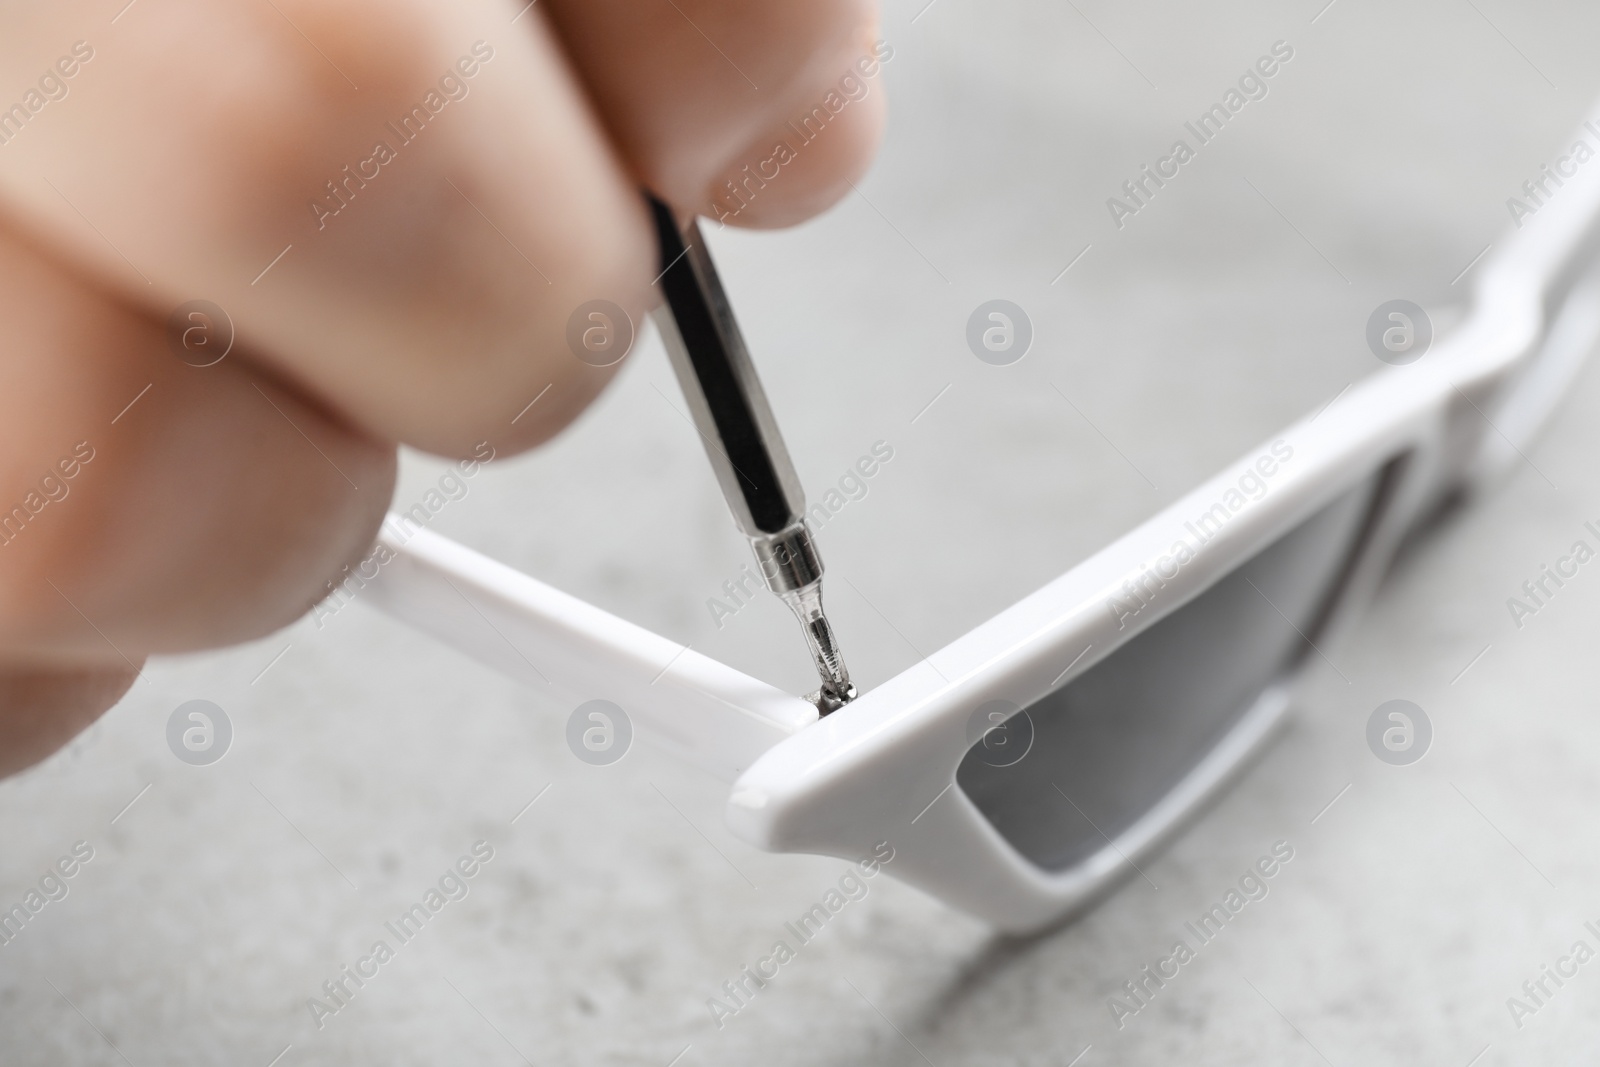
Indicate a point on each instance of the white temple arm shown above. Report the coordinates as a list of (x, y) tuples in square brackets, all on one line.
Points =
[(678, 700)]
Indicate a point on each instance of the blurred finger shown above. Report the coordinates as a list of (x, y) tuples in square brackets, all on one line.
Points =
[(147, 505)]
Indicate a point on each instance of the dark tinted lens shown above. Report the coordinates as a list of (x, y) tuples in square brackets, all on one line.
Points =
[(1105, 748)]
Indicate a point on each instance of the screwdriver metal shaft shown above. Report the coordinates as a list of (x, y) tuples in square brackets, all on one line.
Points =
[(742, 441)]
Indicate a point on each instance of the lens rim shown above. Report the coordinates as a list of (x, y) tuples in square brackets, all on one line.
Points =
[(1015, 803)]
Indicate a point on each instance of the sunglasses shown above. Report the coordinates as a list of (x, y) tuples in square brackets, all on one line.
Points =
[(1025, 768)]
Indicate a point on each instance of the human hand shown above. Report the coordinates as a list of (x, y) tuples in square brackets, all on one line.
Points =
[(398, 206)]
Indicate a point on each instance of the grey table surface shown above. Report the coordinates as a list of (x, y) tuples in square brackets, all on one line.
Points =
[(366, 759)]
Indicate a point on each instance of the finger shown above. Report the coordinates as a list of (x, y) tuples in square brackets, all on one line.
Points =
[(151, 506), (403, 205), (400, 204), (755, 114), (41, 709)]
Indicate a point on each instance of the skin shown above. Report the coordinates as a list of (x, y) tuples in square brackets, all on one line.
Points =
[(428, 311)]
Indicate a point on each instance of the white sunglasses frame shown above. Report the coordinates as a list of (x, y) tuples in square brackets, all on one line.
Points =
[(883, 768)]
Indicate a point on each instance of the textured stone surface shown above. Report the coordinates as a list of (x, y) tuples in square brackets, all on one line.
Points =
[(367, 759)]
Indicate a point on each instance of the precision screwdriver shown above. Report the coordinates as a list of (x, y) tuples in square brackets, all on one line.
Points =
[(742, 441)]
